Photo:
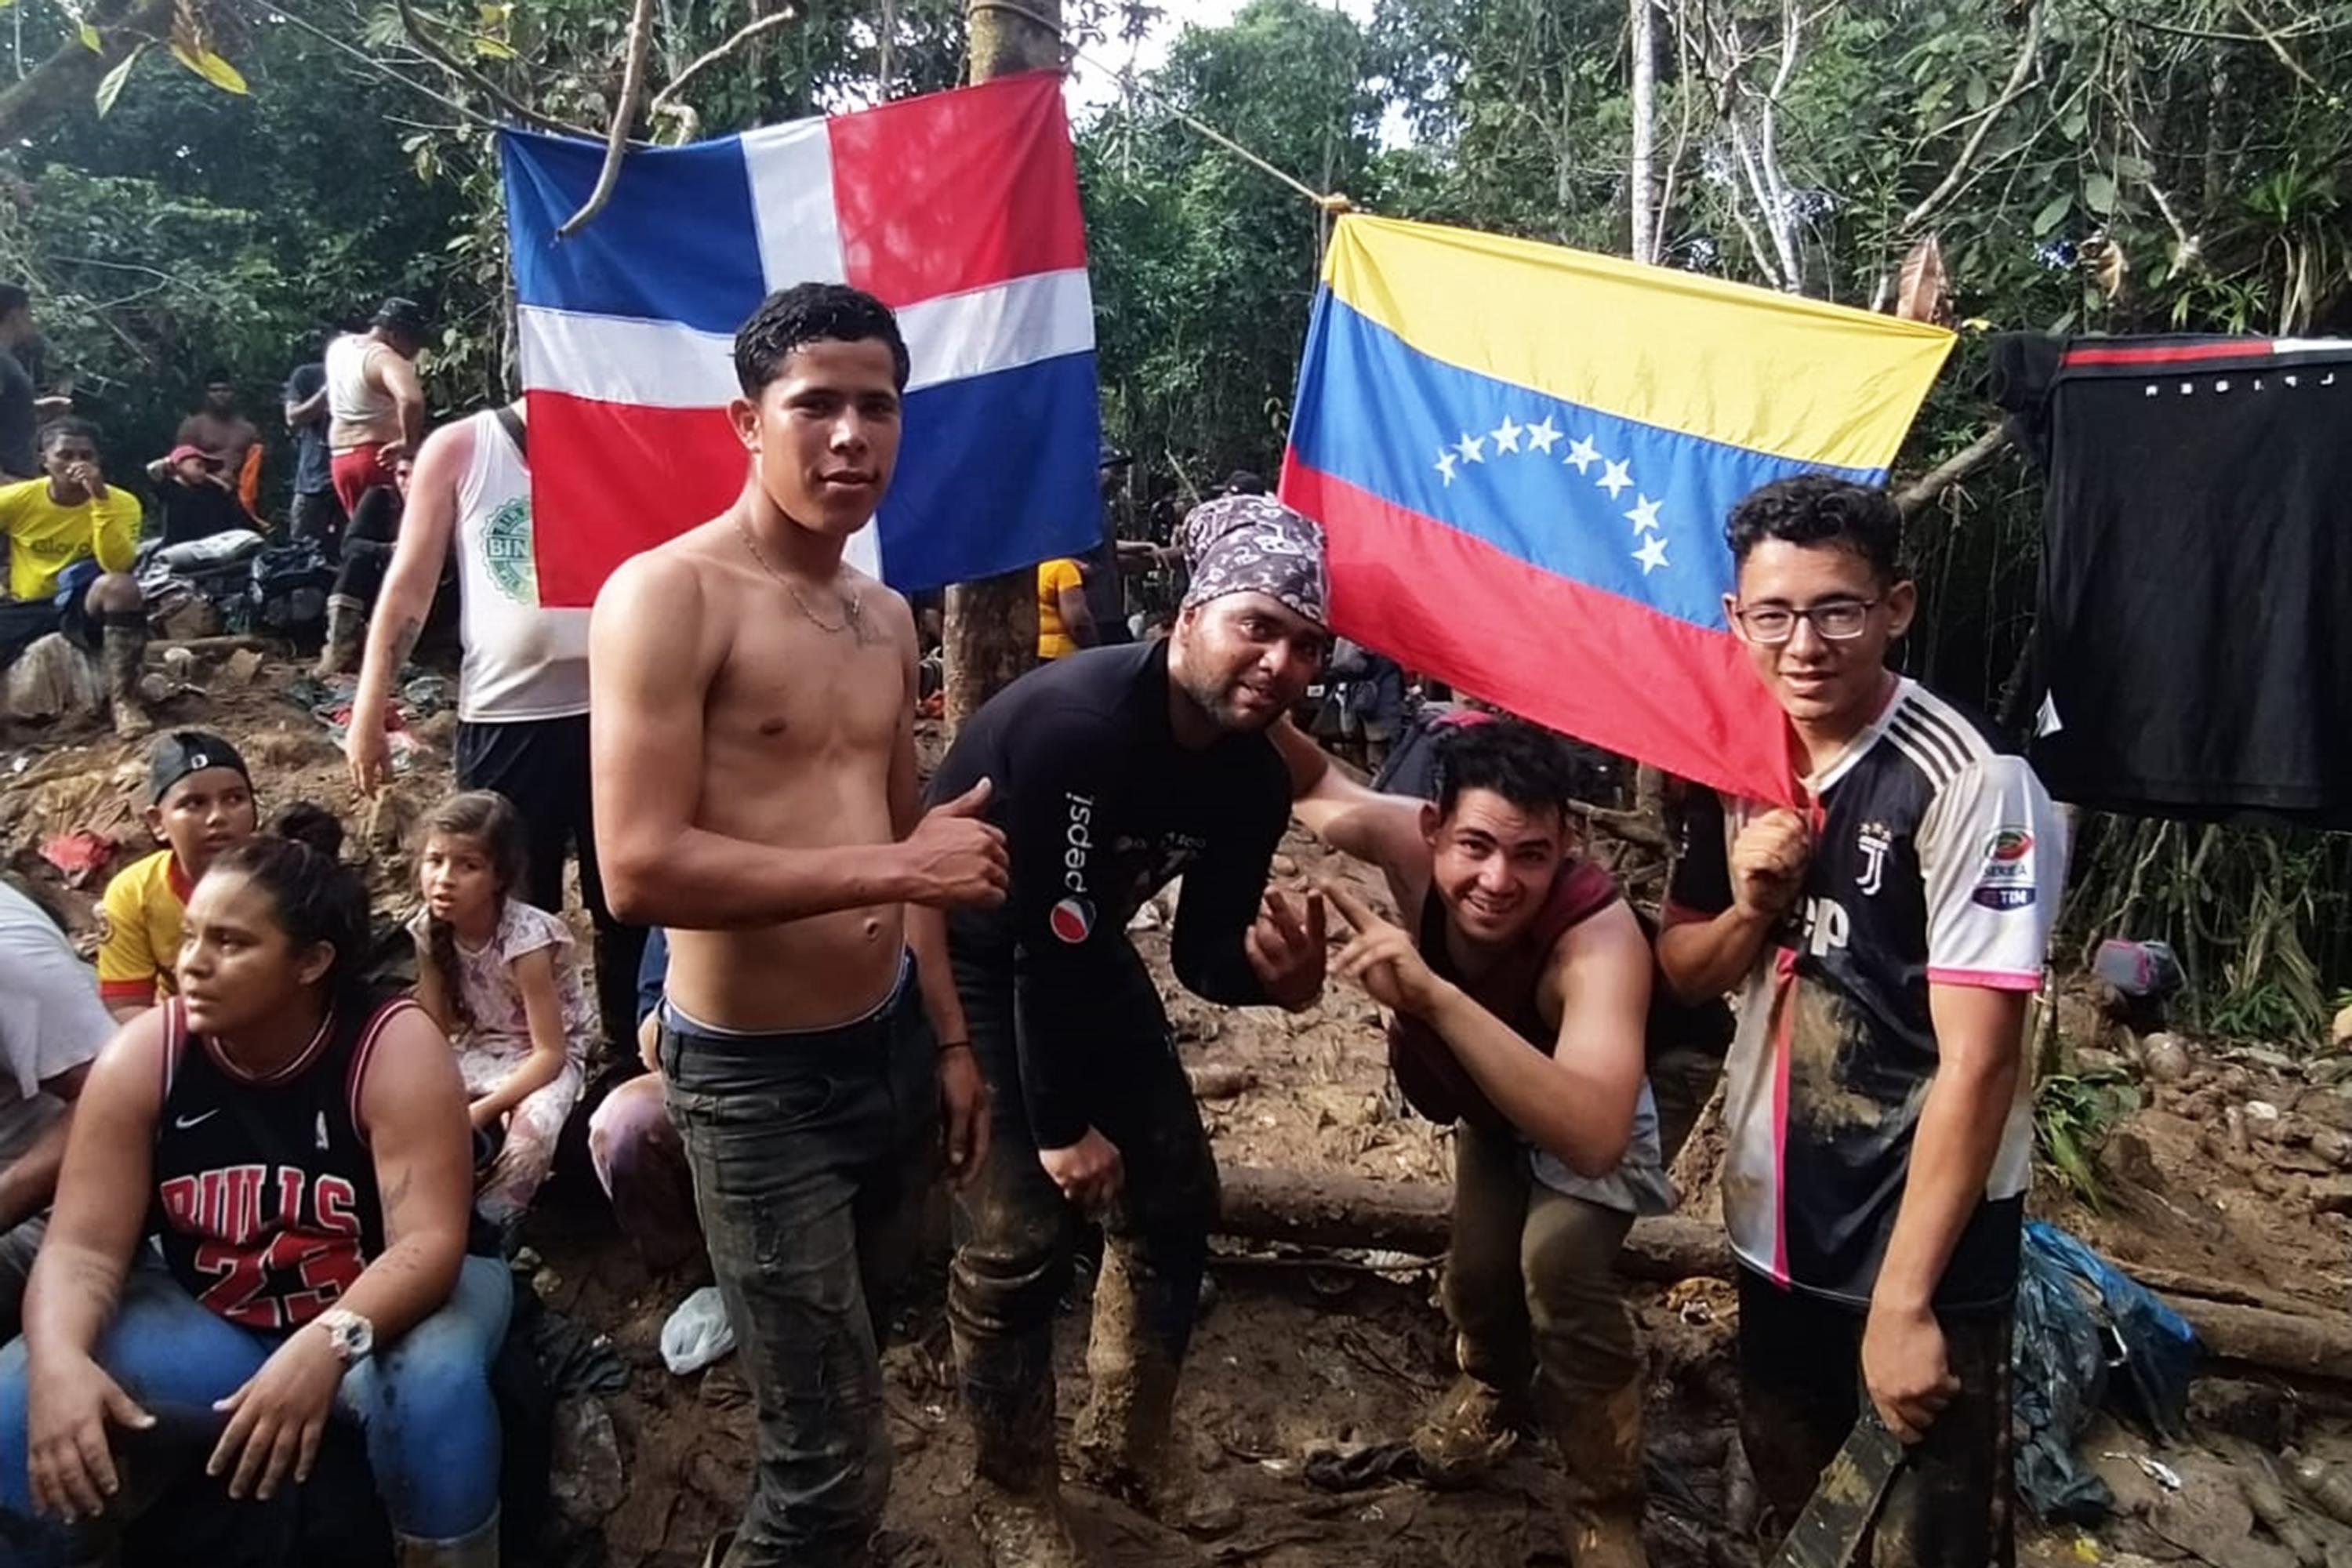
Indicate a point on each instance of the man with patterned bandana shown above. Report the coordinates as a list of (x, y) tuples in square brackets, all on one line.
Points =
[(1116, 770)]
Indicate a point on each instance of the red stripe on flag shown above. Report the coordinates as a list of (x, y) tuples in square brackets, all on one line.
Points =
[(1566, 655), (956, 191), (2182, 354), (609, 479)]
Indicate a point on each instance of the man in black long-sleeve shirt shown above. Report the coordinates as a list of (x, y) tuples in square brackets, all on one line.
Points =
[(1113, 771)]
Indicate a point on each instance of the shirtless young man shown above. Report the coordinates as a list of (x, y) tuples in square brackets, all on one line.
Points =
[(753, 737)]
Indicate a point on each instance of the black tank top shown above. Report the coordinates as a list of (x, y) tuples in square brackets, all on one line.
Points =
[(266, 1195)]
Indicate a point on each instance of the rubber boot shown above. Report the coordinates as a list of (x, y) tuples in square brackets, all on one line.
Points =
[(1125, 1436), (1016, 1502), (346, 632), (478, 1548), (1600, 1445), (122, 650)]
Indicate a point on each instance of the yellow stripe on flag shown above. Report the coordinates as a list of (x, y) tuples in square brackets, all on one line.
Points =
[(1771, 372)]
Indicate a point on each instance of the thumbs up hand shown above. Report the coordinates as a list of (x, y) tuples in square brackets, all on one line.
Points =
[(957, 859)]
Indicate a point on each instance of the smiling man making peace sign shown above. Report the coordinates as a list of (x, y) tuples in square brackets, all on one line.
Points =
[(1520, 983)]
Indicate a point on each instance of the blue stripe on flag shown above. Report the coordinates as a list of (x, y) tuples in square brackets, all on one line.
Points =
[(1630, 507), (995, 472), (678, 242)]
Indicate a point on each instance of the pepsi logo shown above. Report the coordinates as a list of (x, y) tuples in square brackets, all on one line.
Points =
[(1073, 919)]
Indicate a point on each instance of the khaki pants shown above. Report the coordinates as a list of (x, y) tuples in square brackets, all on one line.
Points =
[(1531, 1282)]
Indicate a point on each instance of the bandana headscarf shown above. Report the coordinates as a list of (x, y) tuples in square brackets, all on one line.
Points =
[(1255, 545)]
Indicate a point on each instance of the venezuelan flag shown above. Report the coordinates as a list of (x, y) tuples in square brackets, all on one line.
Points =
[(1522, 456)]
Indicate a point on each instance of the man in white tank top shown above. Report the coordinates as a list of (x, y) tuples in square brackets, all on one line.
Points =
[(522, 686), (375, 408)]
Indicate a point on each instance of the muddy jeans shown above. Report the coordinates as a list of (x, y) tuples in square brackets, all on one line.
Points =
[(1801, 1388), (811, 1154), (1017, 1233), (1531, 1282)]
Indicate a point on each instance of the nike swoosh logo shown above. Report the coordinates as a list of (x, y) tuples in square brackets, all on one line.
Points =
[(184, 1122)]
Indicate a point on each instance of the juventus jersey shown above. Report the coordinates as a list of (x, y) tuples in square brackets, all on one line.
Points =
[(265, 1197), (1936, 858)]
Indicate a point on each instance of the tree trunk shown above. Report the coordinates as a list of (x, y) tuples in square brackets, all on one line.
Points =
[(69, 77), (1642, 167), (1358, 1211), (991, 624)]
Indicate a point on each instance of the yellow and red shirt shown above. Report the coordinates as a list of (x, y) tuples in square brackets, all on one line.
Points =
[(138, 937)]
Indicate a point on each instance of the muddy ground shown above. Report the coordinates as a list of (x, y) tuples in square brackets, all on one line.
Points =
[(1298, 1353)]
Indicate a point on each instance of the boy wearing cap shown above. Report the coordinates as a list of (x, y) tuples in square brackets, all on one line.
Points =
[(197, 497), (1117, 769), (200, 805)]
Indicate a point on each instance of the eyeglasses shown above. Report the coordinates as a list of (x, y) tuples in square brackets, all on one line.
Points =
[(1838, 620)]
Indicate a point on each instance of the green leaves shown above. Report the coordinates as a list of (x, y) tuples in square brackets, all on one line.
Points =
[(2053, 213), (110, 86), (2099, 192)]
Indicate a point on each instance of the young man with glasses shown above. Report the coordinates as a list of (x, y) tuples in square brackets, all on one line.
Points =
[(1885, 940)]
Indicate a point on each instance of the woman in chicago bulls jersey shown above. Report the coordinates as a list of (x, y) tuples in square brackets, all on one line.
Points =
[(301, 1151)]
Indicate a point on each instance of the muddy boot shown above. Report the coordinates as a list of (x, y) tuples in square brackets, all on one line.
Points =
[(478, 1549), (122, 650), (1016, 1504), (1601, 1448), (1125, 1436), (1466, 1431), (346, 635)]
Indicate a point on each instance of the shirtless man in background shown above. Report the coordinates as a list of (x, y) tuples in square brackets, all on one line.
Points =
[(752, 709)]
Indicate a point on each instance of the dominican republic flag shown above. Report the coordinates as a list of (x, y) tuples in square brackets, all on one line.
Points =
[(958, 209), (1522, 457)]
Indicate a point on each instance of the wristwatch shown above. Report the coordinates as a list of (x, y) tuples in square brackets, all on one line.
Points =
[(351, 1336)]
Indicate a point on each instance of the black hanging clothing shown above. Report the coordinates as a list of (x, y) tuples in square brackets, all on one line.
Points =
[(2195, 570)]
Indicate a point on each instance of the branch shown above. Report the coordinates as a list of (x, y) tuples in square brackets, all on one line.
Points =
[(2279, 49), (2020, 79), (46, 90), (466, 75), (2312, 28), (625, 114), (1924, 489), (742, 36)]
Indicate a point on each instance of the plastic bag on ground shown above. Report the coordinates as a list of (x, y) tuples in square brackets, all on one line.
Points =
[(697, 1334), (2086, 1334)]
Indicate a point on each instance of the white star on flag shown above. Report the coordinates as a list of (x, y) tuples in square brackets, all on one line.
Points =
[(1652, 553), (1644, 515), (1614, 479), (1506, 435), (1472, 448), (1445, 462), (1540, 435), (1584, 453)]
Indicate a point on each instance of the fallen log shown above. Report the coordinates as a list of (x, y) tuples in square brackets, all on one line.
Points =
[(1358, 1212), (226, 642)]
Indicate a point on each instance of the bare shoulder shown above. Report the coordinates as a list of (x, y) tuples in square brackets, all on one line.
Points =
[(885, 609), (128, 1074), (411, 1057), (672, 579)]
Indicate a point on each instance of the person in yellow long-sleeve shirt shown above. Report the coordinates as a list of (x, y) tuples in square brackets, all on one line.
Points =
[(71, 538)]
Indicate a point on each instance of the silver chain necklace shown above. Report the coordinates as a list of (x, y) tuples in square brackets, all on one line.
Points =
[(850, 607)]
